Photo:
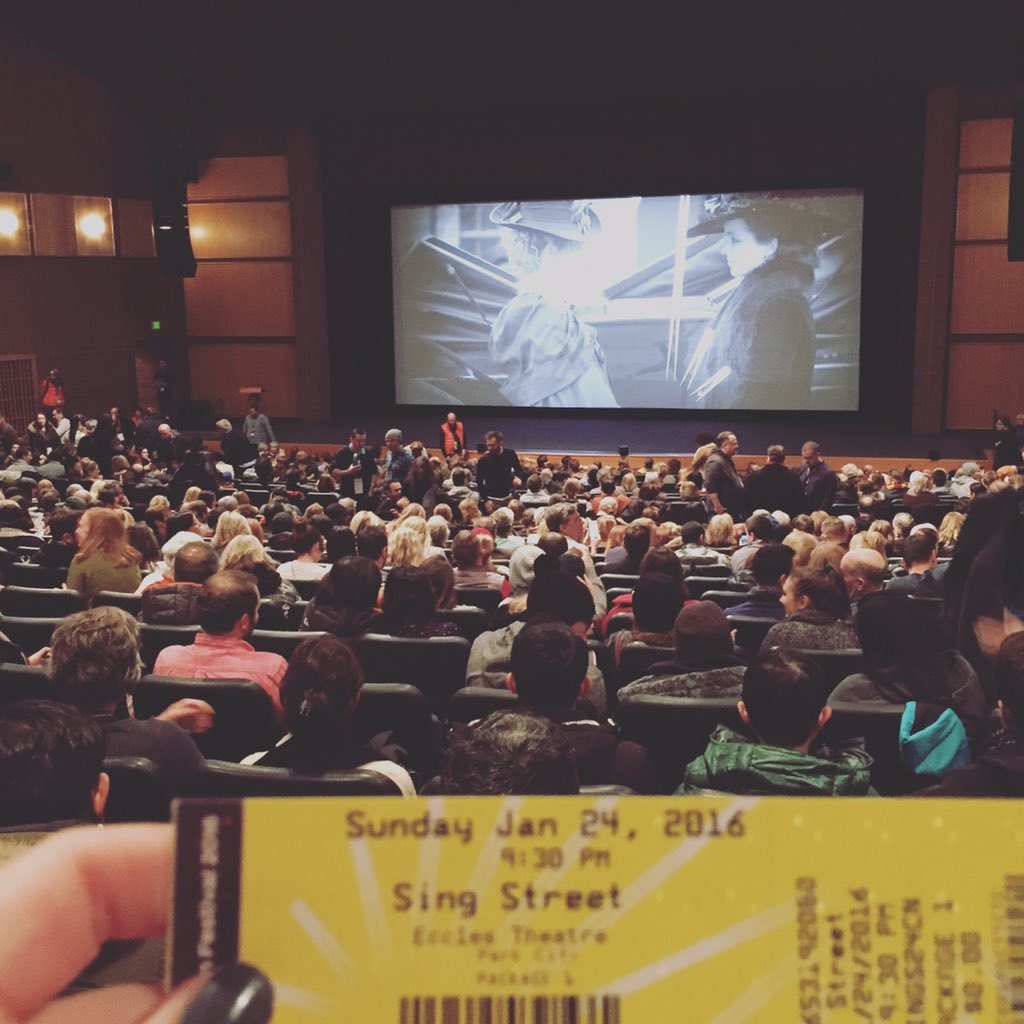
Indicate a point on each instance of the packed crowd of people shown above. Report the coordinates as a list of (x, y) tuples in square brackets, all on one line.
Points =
[(915, 573)]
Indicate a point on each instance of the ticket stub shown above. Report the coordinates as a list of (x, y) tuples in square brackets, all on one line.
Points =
[(609, 910)]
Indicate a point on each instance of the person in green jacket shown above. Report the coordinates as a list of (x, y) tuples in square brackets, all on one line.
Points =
[(105, 559), (783, 712)]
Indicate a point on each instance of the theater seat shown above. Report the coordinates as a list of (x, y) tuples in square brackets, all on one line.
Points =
[(30, 602), (22, 682), (404, 710), (750, 631), (879, 726), (139, 791), (279, 641), (244, 719), (619, 579), (636, 658), (620, 621), (437, 666), (21, 574), (699, 585), (274, 615), (835, 665), (704, 566), (725, 599), (224, 779), (673, 730), (473, 702), (472, 621), (131, 603), (30, 634), (307, 588), (487, 598)]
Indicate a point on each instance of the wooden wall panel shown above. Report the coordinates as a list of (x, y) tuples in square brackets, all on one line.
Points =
[(241, 300), (135, 228), (982, 204), (217, 369), (985, 143), (240, 230), (988, 291), (983, 375), (242, 177)]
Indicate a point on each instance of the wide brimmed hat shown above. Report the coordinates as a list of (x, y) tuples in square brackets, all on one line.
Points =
[(573, 220)]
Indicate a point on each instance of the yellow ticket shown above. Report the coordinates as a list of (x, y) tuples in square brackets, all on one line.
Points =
[(610, 910)]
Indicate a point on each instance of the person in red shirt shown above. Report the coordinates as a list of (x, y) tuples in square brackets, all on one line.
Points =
[(51, 391)]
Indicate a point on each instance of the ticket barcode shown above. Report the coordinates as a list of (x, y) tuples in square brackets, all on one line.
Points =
[(1009, 945), (509, 1010)]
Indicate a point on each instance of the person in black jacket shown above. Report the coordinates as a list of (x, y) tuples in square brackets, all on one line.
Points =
[(235, 448), (816, 479), (721, 481), (774, 487), (498, 470)]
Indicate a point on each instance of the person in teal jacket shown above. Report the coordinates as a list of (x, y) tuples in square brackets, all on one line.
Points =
[(783, 714)]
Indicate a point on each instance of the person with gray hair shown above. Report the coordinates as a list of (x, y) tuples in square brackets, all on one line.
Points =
[(399, 460), (95, 664)]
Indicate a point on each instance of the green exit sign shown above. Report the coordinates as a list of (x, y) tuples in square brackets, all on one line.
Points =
[(154, 325)]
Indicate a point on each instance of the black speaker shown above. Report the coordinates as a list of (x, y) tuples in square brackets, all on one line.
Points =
[(1015, 215), (624, 451), (173, 168)]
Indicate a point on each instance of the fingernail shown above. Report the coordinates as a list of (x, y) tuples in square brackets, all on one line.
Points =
[(236, 994)]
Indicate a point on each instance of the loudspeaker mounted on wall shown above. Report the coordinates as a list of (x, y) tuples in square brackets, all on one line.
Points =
[(1015, 214), (172, 171), (624, 451)]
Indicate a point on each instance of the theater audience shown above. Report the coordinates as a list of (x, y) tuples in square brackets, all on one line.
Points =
[(441, 577), (174, 603), (51, 765), (320, 694), (776, 754), (345, 603), (105, 560), (635, 543), (248, 555), (509, 753), (548, 670), (470, 559), (230, 525), (864, 572), (308, 544), (94, 664), (657, 600), (59, 551), (227, 608), (817, 609)]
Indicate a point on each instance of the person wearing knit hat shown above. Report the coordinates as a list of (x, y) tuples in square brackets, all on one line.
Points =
[(705, 663), (547, 355)]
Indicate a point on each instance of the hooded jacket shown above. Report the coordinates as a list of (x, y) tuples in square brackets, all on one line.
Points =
[(733, 764)]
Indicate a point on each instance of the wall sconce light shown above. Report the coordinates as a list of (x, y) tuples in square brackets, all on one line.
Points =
[(93, 226), (14, 234)]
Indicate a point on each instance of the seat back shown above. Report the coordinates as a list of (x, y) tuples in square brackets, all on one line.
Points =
[(472, 621), (487, 598), (22, 682), (473, 702), (673, 730), (274, 615), (156, 637), (620, 621), (44, 577), (405, 711), (437, 665), (131, 603), (281, 555), (307, 588), (279, 641), (224, 779), (636, 658), (31, 602), (139, 790), (932, 603), (29, 633), (244, 720), (698, 586), (835, 665), (750, 631), (725, 599), (626, 581), (704, 565)]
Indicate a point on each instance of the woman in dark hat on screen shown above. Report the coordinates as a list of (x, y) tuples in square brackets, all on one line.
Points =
[(758, 352), (549, 356)]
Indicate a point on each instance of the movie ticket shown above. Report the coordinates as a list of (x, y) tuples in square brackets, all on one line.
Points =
[(609, 910)]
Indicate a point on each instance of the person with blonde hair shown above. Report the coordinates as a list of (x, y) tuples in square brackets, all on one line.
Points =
[(191, 494), (105, 559), (365, 518), (159, 501), (866, 540), (827, 553), (229, 526), (246, 554), (411, 511), (802, 544), (949, 532), (721, 531), (405, 547), (468, 510)]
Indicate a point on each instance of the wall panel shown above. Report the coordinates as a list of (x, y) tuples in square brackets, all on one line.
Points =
[(981, 207), (217, 369), (241, 299), (984, 376), (243, 230), (242, 177), (988, 291), (985, 143)]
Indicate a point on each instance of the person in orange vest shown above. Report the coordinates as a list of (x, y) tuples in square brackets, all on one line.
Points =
[(453, 436), (51, 391)]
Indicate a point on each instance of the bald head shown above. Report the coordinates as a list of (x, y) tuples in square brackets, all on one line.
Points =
[(864, 571)]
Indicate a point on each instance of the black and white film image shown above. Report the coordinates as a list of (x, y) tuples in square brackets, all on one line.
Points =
[(729, 301)]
